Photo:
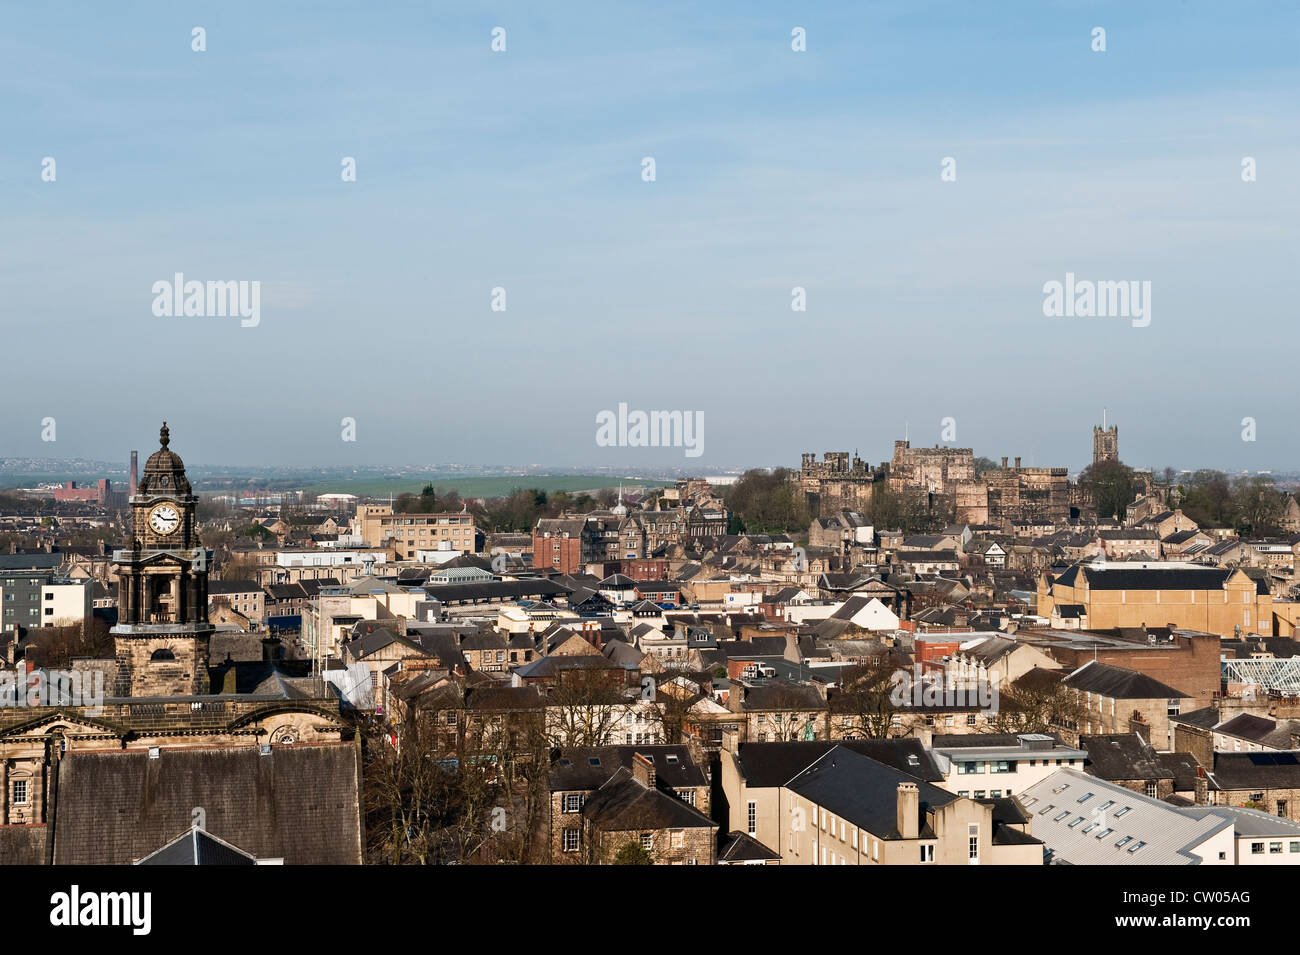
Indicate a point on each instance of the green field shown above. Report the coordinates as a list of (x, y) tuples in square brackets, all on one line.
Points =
[(477, 486)]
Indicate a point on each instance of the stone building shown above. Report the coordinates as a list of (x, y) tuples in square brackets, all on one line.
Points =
[(935, 470), (1008, 494), (1105, 444), (160, 689), (835, 484)]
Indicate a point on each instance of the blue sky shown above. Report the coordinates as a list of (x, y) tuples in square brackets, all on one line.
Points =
[(775, 169)]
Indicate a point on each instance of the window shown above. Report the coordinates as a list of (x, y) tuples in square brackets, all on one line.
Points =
[(1091, 826), (1257, 848), (1281, 808), (1085, 797), (573, 802), (20, 791), (969, 769), (1123, 811), (927, 853), (1060, 815), (572, 840), (1045, 810), (677, 838), (753, 818), (1077, 820), (687, 796), (647, 841), (974, 841), (1123, 842), (1106, 805), (1151, 788), (1294, 847), (1274, 848), (1104, 833)]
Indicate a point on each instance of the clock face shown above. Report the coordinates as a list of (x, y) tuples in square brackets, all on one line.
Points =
[(164, 519)]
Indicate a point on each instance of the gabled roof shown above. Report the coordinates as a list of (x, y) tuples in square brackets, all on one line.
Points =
[(589, 767), (196, 847), (1119, 683), (1259, 770), (1126, 756), (765, 765), (865, 792), (624, 803), (740, 847), (299, 802)]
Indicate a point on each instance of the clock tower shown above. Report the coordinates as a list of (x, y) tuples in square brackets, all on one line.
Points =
[(162, 631)]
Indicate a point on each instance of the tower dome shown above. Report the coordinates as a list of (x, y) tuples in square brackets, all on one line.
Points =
[(164, 472)]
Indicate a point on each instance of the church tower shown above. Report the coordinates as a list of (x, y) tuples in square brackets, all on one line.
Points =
[(162, 631), (1105, 442)]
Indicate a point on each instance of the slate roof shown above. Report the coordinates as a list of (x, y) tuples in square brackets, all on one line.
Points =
[(740, 847), (1126, 756), (299, 803), (1119, 683), (23, 845), (1255, 728), (774, 764), (623, 803), (197, 847), (573, 768), (864, 791), (1257, 771)]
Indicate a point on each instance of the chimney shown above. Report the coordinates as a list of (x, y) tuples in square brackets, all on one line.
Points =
[(909, 810), (731, 739), (135, 471), (643, 770), (1017, 464), (1004, 464)]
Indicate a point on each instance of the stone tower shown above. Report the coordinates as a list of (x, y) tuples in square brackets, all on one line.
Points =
[(162, 632), (1105, 444)]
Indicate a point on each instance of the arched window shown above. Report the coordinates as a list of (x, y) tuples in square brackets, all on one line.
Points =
[(163, 654)]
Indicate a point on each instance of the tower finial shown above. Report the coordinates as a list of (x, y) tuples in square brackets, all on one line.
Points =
[(164, 436)]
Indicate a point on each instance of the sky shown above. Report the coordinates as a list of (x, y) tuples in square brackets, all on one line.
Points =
[(774, 169)]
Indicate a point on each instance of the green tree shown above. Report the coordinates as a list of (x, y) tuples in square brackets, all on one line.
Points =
[(1112, 485), (631, 853)]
